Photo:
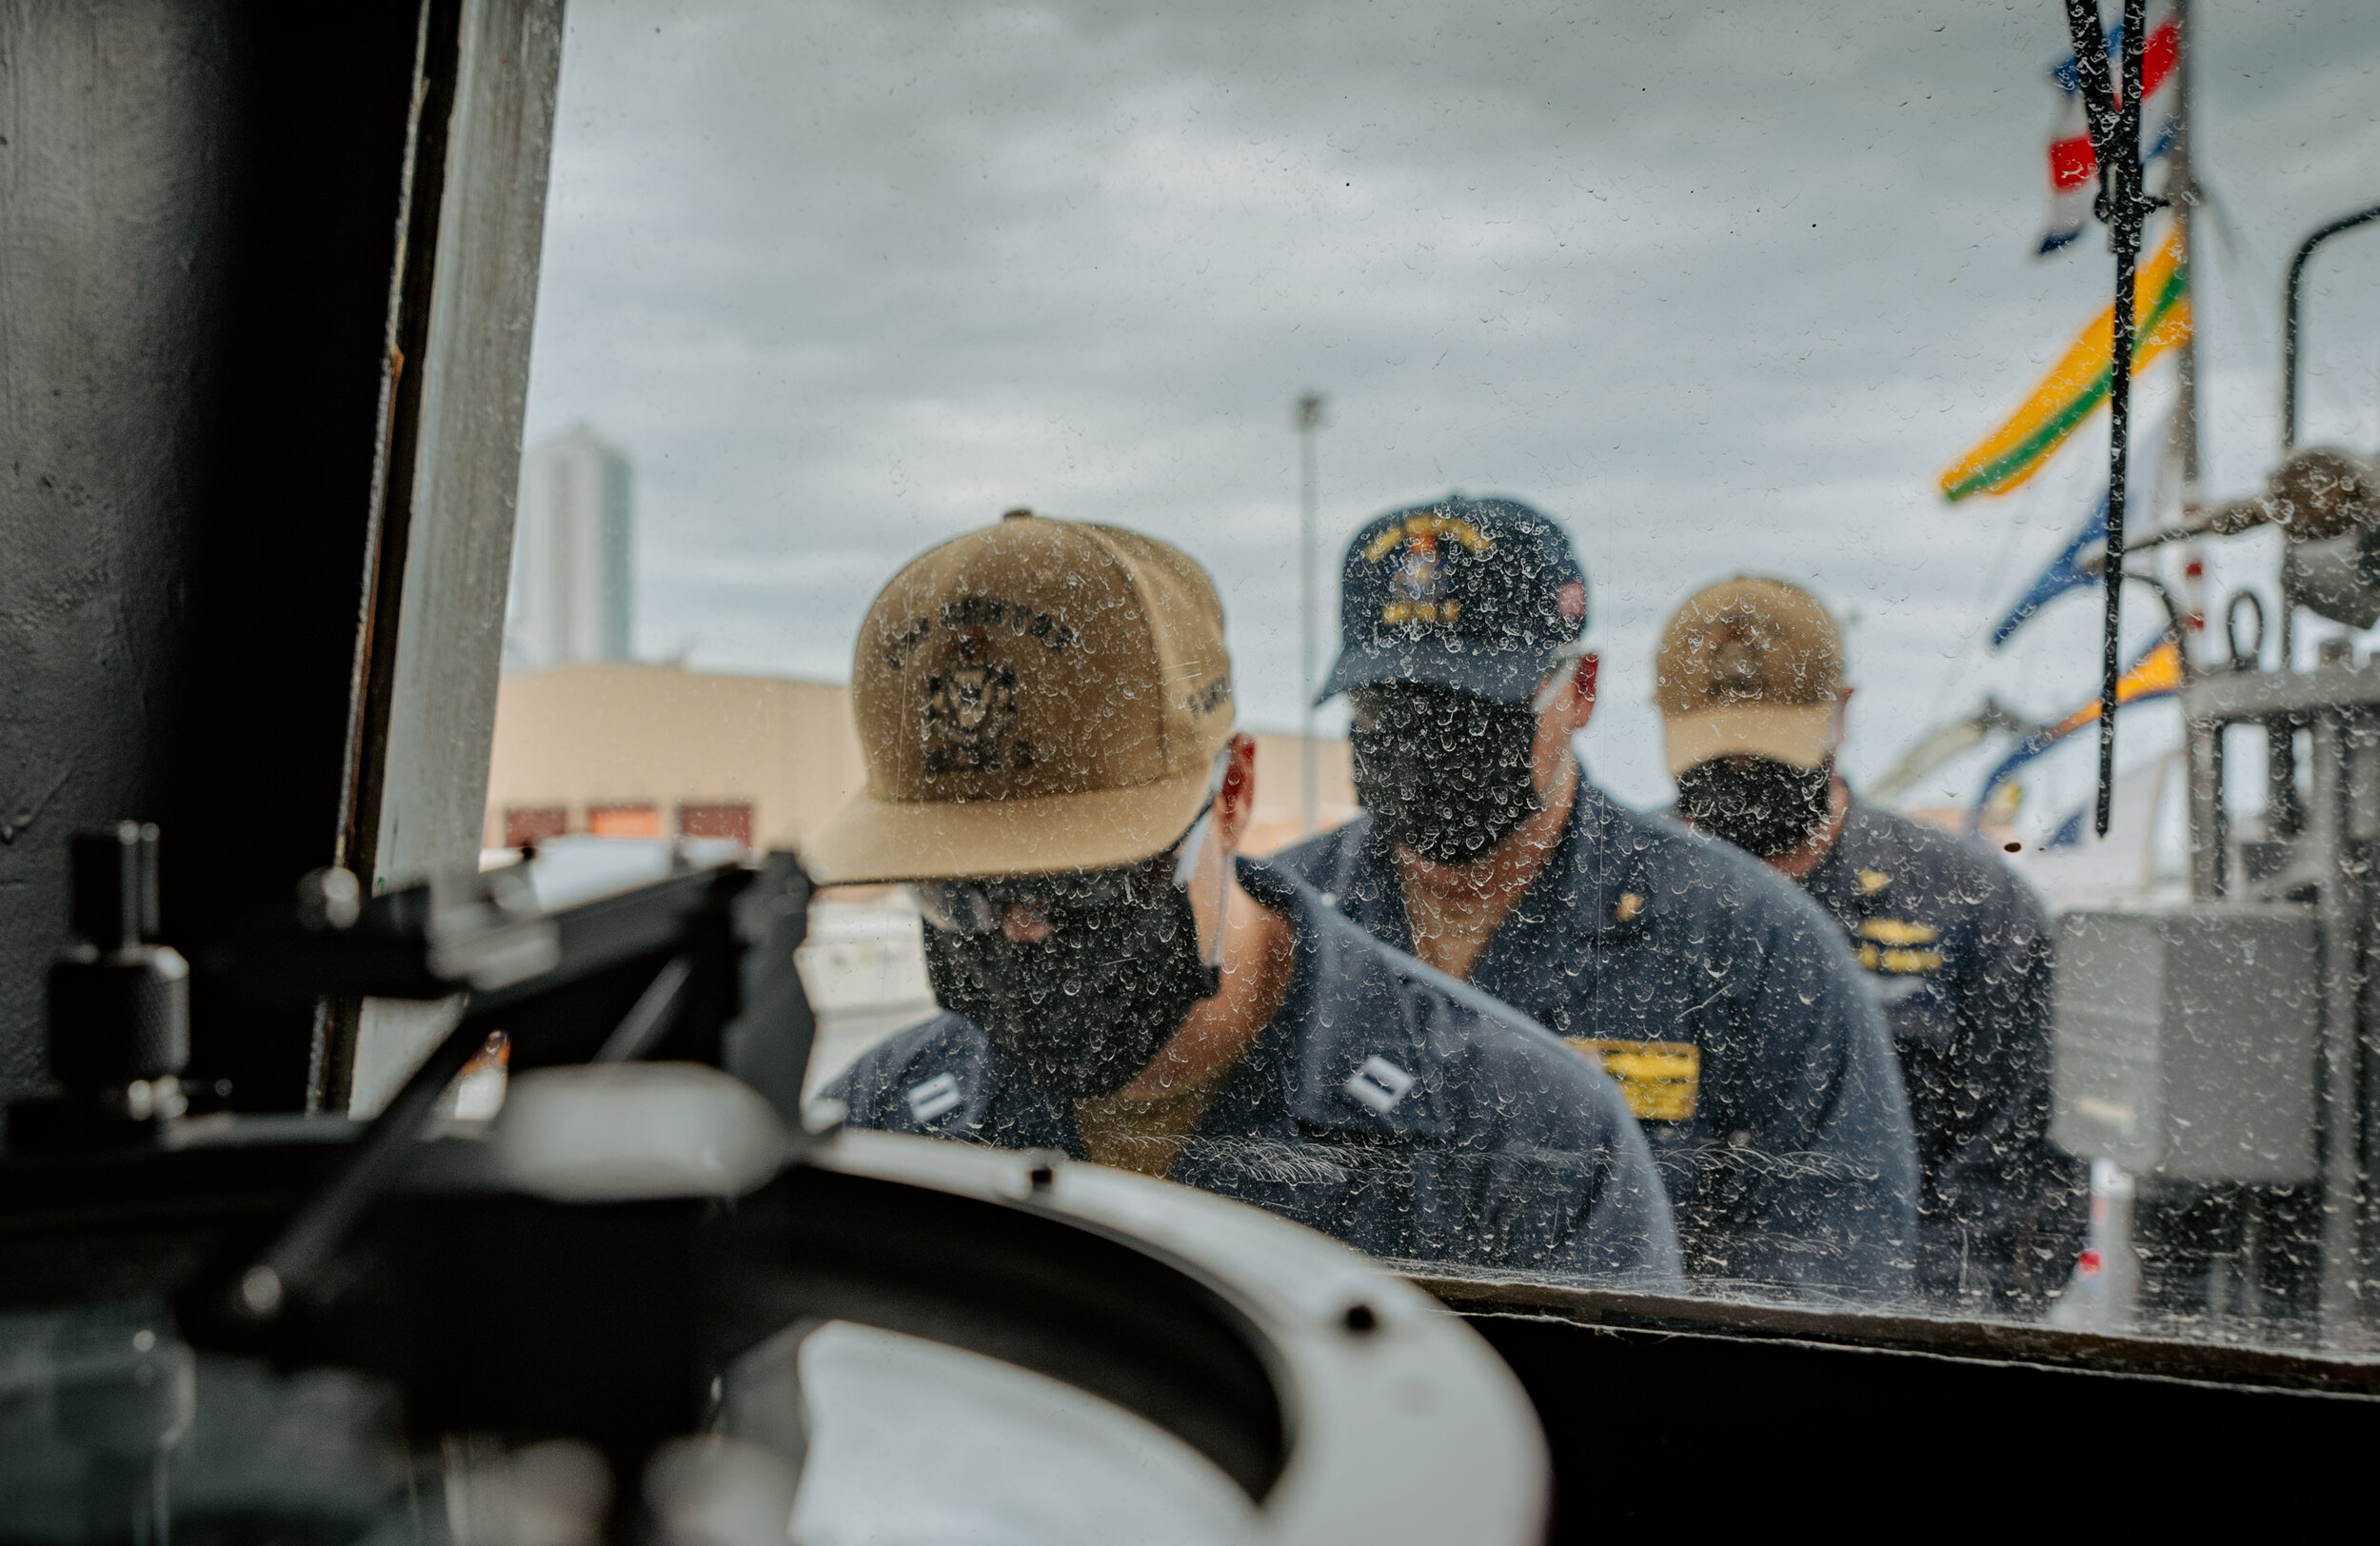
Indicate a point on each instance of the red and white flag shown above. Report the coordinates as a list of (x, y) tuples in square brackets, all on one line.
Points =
[(2074, 170)]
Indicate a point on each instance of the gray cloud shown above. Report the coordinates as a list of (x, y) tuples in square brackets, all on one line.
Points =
[(1722, 289)]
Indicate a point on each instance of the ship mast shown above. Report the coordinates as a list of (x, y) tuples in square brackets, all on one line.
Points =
[(2200, 743), (2181, 187)]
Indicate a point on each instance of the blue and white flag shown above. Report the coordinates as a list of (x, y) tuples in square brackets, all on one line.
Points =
[(2067, 571)]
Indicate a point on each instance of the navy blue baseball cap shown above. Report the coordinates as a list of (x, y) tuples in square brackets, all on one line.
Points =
[(1484, 596)]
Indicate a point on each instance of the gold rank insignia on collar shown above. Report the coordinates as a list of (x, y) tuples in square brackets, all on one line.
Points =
[(1898, 931), (1872, 881)]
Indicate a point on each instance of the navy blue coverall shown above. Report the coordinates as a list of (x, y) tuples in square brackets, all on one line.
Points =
[(1960, 954), (1386, 1104), (1725, 1003)]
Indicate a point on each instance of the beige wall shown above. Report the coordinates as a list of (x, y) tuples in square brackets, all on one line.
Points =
[(615, 734), (1276, 825)]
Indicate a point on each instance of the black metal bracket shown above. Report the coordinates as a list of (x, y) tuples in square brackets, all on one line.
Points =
[(2289, 312), (698, 966)]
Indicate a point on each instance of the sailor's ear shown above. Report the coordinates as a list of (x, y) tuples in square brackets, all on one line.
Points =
[(1235, 798), (1572, 704)]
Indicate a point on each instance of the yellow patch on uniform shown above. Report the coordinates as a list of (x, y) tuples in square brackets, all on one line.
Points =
[(1421, 611), (1871, 881), (1659, 1079), (1630, 905), (1897, 931), (1899, 962)]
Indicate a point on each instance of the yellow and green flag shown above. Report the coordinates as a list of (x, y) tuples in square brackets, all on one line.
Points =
[(2078, 383)]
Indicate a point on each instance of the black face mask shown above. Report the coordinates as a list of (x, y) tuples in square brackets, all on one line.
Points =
[(1085, 1010), (1445, 774), (1763, 806)]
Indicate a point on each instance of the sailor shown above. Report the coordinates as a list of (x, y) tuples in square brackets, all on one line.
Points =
[(1954, 947), (1718, 998), (1046, 709)]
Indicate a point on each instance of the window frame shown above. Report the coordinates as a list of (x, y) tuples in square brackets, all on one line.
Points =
[(1967, 1338), (1908, 1330)]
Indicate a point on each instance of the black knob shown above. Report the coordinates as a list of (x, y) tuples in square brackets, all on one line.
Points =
[(115, 885), (119, 1004)]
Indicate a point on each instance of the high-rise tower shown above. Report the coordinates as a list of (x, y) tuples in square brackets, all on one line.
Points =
[(570, 555)]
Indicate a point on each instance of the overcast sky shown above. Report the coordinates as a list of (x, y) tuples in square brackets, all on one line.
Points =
[(1722, 289)]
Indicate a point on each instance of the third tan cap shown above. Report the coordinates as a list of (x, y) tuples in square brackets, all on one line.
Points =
[(1033, 696), (1749, 668)]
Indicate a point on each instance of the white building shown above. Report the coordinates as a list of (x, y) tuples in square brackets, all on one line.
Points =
[(570, 579)]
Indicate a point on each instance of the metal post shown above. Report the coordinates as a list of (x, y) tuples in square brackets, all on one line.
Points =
[(1308, 420), (2111, 1195), (2181, 190), (2284, 814), (2104, 1293), (2338, 905), (2203, 742), (2209, 838)]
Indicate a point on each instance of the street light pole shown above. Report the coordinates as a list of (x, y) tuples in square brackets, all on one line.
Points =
[(1309, 421)]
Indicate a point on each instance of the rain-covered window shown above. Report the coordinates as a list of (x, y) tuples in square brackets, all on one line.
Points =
[(1484, 625)]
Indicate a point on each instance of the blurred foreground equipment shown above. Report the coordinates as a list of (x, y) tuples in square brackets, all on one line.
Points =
[(585, 1319)]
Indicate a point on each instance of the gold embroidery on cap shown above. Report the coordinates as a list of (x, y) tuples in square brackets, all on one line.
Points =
[(1740, 666), (971, 616), (971, 714), (1417, 576), (1659, 1079), (1426, 525)]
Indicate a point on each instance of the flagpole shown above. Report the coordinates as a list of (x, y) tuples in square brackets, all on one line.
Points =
[(2201, 742), (2182, 191)]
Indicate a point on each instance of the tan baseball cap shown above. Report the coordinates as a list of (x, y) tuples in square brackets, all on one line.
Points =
[(1749, 668), (1034, 697)]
